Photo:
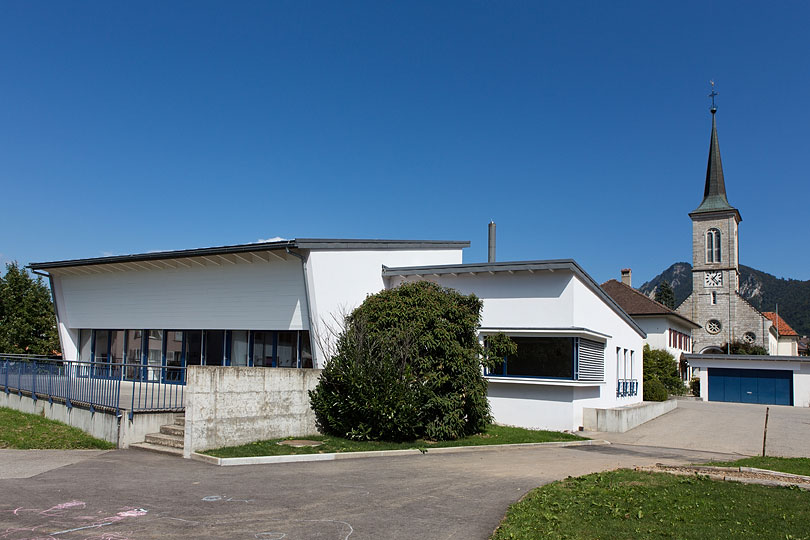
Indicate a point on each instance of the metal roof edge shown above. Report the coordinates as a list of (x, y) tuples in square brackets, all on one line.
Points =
[(300, 243), (747, 357)]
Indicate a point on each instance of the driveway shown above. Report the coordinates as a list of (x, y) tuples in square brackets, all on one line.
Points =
[(129, 494), (724, 427)]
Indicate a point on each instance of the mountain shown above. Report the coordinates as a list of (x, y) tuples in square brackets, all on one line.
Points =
[(764, 291)]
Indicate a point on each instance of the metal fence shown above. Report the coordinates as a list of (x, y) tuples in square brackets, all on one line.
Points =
[(110, 387), (627, 387)]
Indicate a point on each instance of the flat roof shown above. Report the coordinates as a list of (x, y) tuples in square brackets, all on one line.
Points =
[(299, 243), (517, 266), (747, 357)]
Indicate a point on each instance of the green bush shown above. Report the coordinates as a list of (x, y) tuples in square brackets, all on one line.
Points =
[(654, 390), (661, 366), (407, 365), (694, 386)]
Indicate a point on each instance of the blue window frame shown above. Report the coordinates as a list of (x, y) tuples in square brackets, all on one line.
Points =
[(540, 357)]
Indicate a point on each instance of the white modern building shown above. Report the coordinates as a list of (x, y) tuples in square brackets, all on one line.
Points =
[(265, 304)]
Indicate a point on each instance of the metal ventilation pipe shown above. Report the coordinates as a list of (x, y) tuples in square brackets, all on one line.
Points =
[(491, 255)]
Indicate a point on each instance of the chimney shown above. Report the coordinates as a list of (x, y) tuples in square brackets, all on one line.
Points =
[(491, 255), (627, 277)]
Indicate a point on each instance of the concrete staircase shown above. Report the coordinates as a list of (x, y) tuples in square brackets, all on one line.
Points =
[(168, 441)]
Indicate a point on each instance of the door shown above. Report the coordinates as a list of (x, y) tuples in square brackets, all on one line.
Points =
[(764, 386)]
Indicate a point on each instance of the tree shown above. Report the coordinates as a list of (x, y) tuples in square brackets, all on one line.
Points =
[(407, 365), (661, 366), (27, 321), (741, 347), (665, 295)]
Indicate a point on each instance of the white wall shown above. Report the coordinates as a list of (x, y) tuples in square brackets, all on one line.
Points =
[(339, 280), (657, 330), (591, 311), (249, 296), (787, 346)]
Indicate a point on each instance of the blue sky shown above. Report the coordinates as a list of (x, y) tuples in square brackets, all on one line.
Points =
[(582, 129)]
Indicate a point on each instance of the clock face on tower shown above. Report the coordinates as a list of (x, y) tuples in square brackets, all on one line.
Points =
[(713, 279)]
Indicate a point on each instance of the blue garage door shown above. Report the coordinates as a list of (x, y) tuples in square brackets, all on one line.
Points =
[(766, 386)]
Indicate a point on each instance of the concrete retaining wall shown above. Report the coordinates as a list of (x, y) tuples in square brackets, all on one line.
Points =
[(120, 431), (227, 406), (621, 419)]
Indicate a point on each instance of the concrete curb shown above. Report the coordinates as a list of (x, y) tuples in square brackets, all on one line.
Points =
[(267, 460)]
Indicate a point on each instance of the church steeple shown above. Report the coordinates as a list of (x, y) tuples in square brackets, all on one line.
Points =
[(714, 193)]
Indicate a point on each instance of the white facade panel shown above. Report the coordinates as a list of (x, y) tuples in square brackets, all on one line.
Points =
[(339, 280), (540, 300), (591, 311), (248, 296)]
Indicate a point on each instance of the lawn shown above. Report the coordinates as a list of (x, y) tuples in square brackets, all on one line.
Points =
[(629, 504), (28, 431), (493, 435), (788, 465)]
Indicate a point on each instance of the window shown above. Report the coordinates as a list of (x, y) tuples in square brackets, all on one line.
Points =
[(193, 347), (214, 351), (619, 362), (714, 326), (749, 337), (239, 348), (712, 246), (714, 298), (306, 350), (263, 349), (287, 349), (134, 354), (546, 357)]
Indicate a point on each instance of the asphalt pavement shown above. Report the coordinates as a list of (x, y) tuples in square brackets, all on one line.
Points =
[(132, 494)]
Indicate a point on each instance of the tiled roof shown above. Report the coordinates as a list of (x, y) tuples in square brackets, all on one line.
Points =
[(783, 327), (637, 303)]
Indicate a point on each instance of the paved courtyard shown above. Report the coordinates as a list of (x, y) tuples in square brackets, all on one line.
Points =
[(724, 427), (131, 494)]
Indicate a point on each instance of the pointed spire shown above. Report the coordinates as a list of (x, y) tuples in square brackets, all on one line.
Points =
[(714, 193)]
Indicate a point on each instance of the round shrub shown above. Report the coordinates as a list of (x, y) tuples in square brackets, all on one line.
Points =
[(407, 365), (654, 390)]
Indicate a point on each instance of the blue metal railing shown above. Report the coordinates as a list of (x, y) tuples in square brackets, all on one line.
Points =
[(95, 385), (626, 387)]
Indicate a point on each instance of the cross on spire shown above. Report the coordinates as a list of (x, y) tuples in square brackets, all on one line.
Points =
[(714, 107)]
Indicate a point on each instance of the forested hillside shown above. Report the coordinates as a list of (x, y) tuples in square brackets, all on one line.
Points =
[(763, 290)]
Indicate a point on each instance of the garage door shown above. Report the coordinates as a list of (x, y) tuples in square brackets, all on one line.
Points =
[(766, 386)]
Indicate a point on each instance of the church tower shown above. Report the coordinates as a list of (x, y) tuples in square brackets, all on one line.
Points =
[(715, 302)]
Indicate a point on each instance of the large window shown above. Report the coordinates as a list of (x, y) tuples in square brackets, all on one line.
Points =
[(571, 358), (713, 246), (162, 354), (547, 357)]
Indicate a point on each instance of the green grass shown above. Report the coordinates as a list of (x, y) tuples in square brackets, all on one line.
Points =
[(628, 504), (788, 465), (493, 435), (29, 431)]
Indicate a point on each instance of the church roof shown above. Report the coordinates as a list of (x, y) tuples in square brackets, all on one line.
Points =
[(638, 304), (714, 192), (783, 327)]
